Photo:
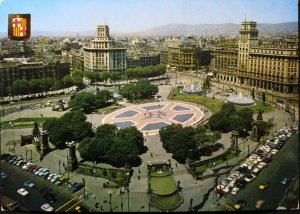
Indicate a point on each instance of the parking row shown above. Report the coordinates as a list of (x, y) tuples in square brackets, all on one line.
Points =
[(43, 173), (254, 164)]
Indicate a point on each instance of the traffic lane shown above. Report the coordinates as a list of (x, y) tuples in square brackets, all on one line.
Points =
[(33, 201), (285, 163), (11, 108)]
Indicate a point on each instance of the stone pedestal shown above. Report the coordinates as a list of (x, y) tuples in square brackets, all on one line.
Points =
[(72, 159)]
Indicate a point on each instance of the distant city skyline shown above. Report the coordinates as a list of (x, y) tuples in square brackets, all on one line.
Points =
[(128, 16)]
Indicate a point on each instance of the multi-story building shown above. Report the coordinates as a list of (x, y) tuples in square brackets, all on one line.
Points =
[(102, 55), (76, 59), (143, 60), (11, 71), (273, 67), (181, 53)]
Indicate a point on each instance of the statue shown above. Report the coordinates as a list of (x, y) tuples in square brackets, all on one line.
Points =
[(259, 115)]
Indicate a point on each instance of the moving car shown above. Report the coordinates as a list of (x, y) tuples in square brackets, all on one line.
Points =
[(47, 208), (235, 190), (23, 192), (263, 186), (285, 180), (259, 204), (29, 184), (239, 204), (3, 175), (50, 197)]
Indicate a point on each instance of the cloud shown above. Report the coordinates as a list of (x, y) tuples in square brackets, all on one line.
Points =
[(1, 1)]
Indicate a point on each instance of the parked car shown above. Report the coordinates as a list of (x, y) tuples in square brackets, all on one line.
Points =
[(285, 180), (47, 208), (274, 151), (241, 183), (267, 160), (250, 178), (23, 192), (75, 187), (50, 176), (235, 190), (27, 165), (239, 204), (29, 184), (259, 204), (261, 165)]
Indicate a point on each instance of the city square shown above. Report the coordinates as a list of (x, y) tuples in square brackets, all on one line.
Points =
[(115, 115)]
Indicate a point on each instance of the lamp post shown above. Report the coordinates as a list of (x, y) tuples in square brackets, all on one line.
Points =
[(83, 181), (109, 192), (121, 193), (59, 166), (12, 129), (128, 196)]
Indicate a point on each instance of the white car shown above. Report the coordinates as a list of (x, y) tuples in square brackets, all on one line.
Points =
[(50, 176), (225, 189), (22, 192), (236, 173), (20, 163), (250, 177), (256, 171), (38, 171), (232, 183), (289, 135), (274, 151), (261, 165), (235, 190), (230, 177), (27, 165), (47, 208)]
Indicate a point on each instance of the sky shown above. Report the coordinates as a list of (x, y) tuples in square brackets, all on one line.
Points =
[(127, 16)]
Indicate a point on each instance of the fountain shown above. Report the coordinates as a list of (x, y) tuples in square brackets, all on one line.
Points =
[(191, 89), (241, 100)]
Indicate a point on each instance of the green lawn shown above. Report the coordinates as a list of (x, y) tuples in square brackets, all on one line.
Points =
[(163, 185), (166, 203), (23, 123), (213, 105)]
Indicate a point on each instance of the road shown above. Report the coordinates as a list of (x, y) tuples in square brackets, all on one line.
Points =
[(66, 201), (285, 163)]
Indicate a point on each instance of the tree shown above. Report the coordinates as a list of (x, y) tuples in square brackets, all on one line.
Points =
[(20, 87), (206, 84), (264, 98), (103, 97), (132, 135), (85, 101), (72, 126), (67, 81), (253, 93)]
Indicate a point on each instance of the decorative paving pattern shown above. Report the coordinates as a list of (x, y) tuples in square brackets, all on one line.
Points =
[(124, 124), (129, 113), (182, 117), (180, 108), (150, 117)]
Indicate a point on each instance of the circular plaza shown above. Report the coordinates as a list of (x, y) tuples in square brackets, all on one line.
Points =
[(149, 118)]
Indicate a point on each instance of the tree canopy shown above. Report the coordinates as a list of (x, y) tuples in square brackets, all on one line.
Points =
[(88, 102), (72, 126), (143, 89), (186, 142), (113, 146), (228, 119)]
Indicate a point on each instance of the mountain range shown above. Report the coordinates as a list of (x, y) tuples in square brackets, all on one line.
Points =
[(184, 29)]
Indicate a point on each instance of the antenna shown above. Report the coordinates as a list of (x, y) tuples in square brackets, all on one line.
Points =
[(105, 20), (245, 17)]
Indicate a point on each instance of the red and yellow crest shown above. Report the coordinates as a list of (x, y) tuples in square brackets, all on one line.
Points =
[(19, 27)]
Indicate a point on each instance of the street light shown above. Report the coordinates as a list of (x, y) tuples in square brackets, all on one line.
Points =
[(121, 193), (12, 129)]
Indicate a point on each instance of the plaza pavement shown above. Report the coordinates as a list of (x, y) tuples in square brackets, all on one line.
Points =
[(200, 191)]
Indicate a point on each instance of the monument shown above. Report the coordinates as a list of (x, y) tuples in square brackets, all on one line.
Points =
[(255, 126), (71, 156)]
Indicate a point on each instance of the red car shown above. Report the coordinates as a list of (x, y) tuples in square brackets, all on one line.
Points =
[(267, 160), (32, 168)]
